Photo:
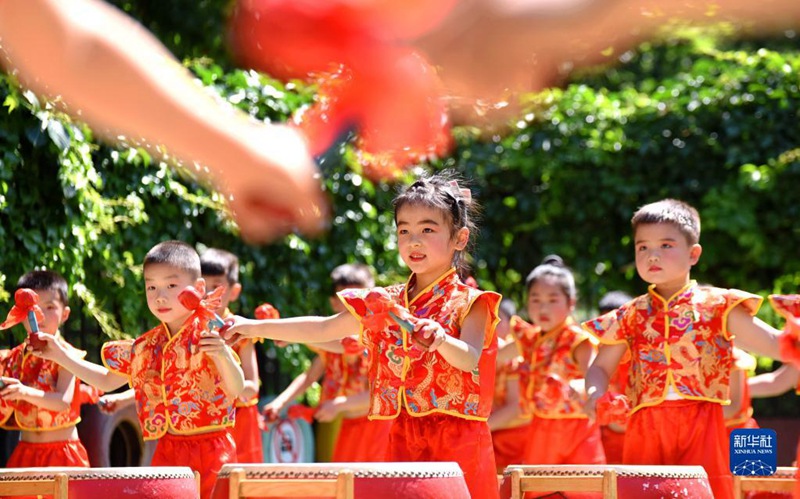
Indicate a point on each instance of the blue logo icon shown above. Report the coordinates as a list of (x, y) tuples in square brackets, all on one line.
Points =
[(754, 452)]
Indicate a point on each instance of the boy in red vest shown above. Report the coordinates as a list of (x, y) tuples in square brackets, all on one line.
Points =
[(680, 337), (220, 268), (40, 398), (185, 379)]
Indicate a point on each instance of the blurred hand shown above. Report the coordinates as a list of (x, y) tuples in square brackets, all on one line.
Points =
[(279, 191), (211, 343), (234, 330), (14, 390), (328, 410), (428, 335), (490, 51), (45, 346), (272, 411)]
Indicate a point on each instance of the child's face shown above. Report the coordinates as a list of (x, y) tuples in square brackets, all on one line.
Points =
[(664, 257), (55, 312), (424, 239), (162, 284), (548, 305), (231, 290)]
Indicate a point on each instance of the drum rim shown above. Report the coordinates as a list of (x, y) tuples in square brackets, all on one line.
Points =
[(138, 473), (628, 471), (332, 470)]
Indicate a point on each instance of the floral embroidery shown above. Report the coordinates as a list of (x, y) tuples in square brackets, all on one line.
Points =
[(548, 392), (42, 374), (345, 374), (682, 342), (175, 384), (403, 375)]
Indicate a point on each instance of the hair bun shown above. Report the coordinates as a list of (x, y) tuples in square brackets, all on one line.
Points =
[(553, 260)]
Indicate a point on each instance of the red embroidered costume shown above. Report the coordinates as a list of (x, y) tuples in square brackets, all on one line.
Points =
[(42, 374), (179, 399), (681, 359), (560, 428), (439, 411)]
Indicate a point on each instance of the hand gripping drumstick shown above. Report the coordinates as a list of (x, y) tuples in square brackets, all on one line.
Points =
[(193, 300), (26, 305), (384, 308)]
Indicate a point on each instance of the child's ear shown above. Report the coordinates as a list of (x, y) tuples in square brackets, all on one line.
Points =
[(236, 290), (462, 238), (65, 315), (694, 253)]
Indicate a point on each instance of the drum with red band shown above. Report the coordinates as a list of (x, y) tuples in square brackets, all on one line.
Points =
[(372, 480), (114, 483), (784, 474), (633, 482)]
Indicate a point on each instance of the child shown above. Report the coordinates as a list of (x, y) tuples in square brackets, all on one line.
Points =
[(613, 434), (345, 387), (220, 268), (41, 399), (559, 352), (438, 396), (185, 379), (510, 422), (679, 335)]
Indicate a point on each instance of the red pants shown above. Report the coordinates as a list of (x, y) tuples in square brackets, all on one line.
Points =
[(247, 435), (510, 445), (564, 441), (204, 453), (362, 440), (49, 454), (750, 423), (440, 437), (613, 443), (682, 432)]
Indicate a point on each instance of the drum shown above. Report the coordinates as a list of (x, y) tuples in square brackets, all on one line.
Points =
[(786, 476), (372, 480), (633, 482), (114, 483)]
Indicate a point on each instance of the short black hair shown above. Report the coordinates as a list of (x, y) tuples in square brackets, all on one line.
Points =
[(216, 262), (352, 275), (175, 254), (46, 280), (681, 215)]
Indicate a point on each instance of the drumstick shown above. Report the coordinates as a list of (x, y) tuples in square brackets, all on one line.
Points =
[(193, 300), (408, 327), (26, 306), (383, 308)]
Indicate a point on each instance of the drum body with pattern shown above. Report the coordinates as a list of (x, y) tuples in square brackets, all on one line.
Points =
[(372, 480), (633, 482), (115, 483)]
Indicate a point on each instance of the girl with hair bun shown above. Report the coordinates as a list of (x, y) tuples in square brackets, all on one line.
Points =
[(430, 340), (558, 353)]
